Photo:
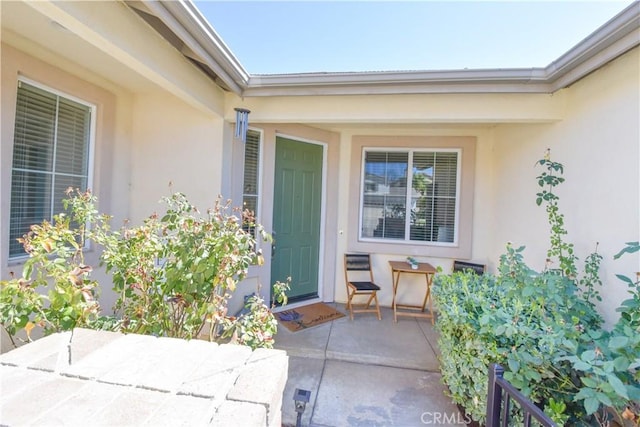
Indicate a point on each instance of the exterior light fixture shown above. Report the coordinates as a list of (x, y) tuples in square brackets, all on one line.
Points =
[(242, 123), (301, 398)]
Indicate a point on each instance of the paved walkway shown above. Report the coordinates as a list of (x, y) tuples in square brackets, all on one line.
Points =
[(367, 372)]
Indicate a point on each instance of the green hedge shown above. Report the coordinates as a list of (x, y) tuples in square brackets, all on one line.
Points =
[(538, 326)]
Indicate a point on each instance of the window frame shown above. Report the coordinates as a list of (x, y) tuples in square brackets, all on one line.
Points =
[(466, 143), (258, 194), (411, 151), (90, 147)]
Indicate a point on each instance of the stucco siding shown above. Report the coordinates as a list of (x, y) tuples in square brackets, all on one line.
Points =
[(177, 144), (403, 109), (111, 147), (598, 143), (412, 287)]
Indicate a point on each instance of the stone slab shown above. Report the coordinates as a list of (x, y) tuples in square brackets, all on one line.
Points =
[(37, 351), (217, 373), (262, 382), (115, 379), (119, 353), (240, 414), (14, 380), (21, 408), (158, 367), (187, 411), (132, 406), (86, 341), (81, 407)]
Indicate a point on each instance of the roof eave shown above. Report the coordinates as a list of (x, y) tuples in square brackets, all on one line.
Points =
[(614, 38), (204, 45), (398, 82)]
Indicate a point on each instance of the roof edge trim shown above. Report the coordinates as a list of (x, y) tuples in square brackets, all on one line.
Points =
[(612, 39)]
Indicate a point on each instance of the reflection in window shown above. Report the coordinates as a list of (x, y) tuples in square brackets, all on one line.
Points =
[(51, 152), (417, 203)]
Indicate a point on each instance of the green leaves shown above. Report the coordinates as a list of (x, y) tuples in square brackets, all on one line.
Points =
[(173, 274), (543, 327), (631, 247), (185, 266), (618, 342)]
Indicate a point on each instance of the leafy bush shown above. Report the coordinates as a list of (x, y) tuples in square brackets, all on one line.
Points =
[(56, 262), (485, 319), (174, 275), (544, 329), (608, 362)]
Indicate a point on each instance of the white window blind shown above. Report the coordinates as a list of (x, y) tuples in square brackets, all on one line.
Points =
[(410, 195), (251, 181), (50, 154)]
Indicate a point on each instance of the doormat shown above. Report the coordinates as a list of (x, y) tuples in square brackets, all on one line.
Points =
[(308, 316)]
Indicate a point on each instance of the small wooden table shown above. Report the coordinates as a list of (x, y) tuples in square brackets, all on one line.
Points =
[(399, 267)]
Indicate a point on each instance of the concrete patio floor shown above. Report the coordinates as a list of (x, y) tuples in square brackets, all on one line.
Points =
[(367, 372)]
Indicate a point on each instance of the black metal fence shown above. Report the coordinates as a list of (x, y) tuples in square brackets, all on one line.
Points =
[(501, 396)]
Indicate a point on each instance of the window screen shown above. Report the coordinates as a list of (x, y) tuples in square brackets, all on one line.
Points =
[(50, 153), (410, 195)]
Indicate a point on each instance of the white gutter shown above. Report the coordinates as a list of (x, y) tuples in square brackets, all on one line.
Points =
[(183, 18), (617, 36), (457, 81), (614, 38)]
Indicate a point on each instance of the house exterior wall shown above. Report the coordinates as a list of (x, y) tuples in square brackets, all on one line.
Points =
[(108, 38), (591, 127), (111, 137), (174, 143), (161, 120), (598, 143), (154, 124), (259, 277), (407, 111), (412, 288)]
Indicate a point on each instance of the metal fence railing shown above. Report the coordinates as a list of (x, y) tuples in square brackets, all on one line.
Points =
[(500, 398)]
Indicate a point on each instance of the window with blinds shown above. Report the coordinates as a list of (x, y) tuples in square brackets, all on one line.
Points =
[(410, 195), (251, 181), (51, 152)]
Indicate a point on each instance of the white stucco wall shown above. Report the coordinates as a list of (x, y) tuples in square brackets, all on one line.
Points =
[(598, 143), (412, 288), (111, 148), (174, 143), (137, 119), (591, 127)]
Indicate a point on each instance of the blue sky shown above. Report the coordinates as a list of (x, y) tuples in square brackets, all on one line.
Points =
[(271, 37)]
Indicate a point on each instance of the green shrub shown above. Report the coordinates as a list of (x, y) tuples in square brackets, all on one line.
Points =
[(485, 319), (174, 274), (544, 329), (56, 292)]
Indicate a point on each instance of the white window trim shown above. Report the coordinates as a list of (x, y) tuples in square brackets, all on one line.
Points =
[(467, 145), (258, 211), (410, 151), (91, 142)]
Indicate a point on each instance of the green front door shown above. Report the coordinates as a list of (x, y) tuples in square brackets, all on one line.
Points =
[(296, 216)]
